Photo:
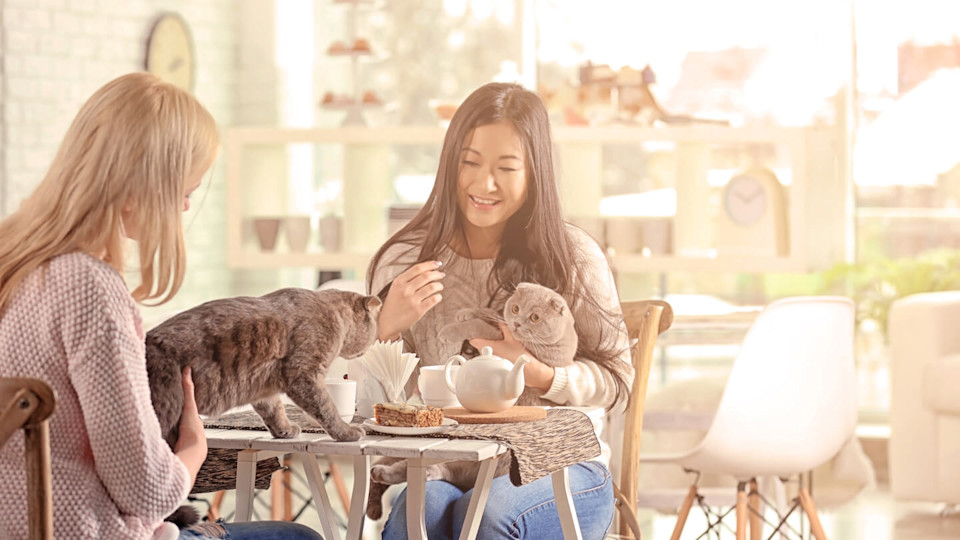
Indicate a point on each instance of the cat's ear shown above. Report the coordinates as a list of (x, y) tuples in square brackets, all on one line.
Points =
[(557, 305), (372, 303)]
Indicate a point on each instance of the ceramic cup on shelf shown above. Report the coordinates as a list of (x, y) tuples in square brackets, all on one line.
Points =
[(297, 229), (330, 233), (623, 235), (594, 226), (344, 395), (656, 235), (433, 387), (267, 230)]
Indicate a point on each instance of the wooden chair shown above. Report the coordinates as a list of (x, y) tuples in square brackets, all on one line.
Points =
[(646, 319), (27, 404)]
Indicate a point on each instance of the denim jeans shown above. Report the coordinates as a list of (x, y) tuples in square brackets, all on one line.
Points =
[(527, 512), (258, 530)]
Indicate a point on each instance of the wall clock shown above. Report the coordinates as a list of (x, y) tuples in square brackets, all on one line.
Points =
[(753, 217), (170, 53)]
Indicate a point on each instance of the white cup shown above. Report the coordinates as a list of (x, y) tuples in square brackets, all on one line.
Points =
[(433, 387), (344, 394)]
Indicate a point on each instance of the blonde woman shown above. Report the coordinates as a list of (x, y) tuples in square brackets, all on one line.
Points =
[(126, 168)]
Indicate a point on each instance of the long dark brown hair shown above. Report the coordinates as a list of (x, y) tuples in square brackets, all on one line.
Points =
[(536, 245)]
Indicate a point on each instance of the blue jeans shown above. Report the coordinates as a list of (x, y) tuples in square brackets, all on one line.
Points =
[(527, 512), (257, 530)]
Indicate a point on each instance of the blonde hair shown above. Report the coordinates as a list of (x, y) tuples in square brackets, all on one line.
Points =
[(132, 144)]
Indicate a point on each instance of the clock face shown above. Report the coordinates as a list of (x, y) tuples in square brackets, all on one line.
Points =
[(745, 200), (170, 51)]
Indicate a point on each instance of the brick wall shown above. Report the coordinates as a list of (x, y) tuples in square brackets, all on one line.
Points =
[(55, 53)]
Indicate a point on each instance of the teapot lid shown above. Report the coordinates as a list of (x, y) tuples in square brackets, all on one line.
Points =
[(486, 351)]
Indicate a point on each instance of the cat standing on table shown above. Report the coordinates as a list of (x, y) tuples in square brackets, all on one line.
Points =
[(493, 218), (126, 168)]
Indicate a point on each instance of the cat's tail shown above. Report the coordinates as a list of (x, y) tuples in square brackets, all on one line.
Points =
[(184, 517)]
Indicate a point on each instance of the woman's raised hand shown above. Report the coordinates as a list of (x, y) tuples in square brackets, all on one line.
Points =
[(411, 295)]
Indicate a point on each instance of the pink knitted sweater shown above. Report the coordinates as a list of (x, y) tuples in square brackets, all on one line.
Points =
[(75, 326)]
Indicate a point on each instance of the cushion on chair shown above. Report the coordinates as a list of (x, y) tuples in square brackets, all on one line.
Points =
[(941, 378)]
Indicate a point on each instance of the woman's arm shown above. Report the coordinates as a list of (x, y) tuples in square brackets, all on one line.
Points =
[(191, 446), (587, 382), (105, 352)]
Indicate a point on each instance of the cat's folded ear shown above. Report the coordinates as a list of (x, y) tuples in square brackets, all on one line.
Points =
[(557, 305), (372, 303)]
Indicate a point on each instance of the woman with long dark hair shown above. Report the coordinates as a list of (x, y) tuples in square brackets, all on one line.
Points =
[(493, 220)]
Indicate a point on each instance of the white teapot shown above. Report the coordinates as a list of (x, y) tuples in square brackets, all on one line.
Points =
[(487, 383)]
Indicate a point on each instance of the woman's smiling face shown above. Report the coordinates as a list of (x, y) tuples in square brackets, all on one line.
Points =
[(492, 178)]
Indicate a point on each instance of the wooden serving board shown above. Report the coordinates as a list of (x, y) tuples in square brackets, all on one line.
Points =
[(516, 413)]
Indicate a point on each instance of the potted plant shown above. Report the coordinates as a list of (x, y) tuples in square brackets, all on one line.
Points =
[(876, 284)]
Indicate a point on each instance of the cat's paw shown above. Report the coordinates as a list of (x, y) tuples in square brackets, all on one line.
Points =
[(388, 474), (347, 432), (377, 473), (285, 433), (464, 315), (374, 510), (449, 334)]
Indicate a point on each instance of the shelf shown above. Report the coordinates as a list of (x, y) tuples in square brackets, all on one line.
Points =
[(726, 263), (561, 134), (817, 195), (258, 260), (250, 259)]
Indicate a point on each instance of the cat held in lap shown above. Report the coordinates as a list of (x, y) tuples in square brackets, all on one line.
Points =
[(537, 317), (249, 350)]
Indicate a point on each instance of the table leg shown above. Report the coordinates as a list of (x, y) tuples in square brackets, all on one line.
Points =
[(321, 500), (416, 499), (478, 500), (358, 502), (246, 475), (568, 515)]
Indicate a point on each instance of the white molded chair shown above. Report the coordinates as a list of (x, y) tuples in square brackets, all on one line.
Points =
[(789, 405)]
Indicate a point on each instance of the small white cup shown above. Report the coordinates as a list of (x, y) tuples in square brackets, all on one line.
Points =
[(433, 387), (344, 394)]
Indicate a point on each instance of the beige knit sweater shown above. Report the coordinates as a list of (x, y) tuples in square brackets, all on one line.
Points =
[(465, 285), (75, 326)]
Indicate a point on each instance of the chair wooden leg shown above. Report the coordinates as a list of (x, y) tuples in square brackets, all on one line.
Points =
[(214, 513), (341, 486), (741, 511), (288, 489), (39, 483), (684, 512), (629, 526), (756, 526), (806, 502), (276, 496)]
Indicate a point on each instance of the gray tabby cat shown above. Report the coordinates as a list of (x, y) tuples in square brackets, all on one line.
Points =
[(248, 350), (251, 349), (537, 317)]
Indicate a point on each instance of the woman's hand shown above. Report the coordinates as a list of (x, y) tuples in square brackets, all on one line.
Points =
[(536, 374), (411, 295), (191, 446)]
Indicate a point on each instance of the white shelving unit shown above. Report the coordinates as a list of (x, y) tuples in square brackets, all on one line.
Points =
[(818, 196)]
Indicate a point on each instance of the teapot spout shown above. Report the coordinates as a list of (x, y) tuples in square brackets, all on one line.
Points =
[(515, 382)]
